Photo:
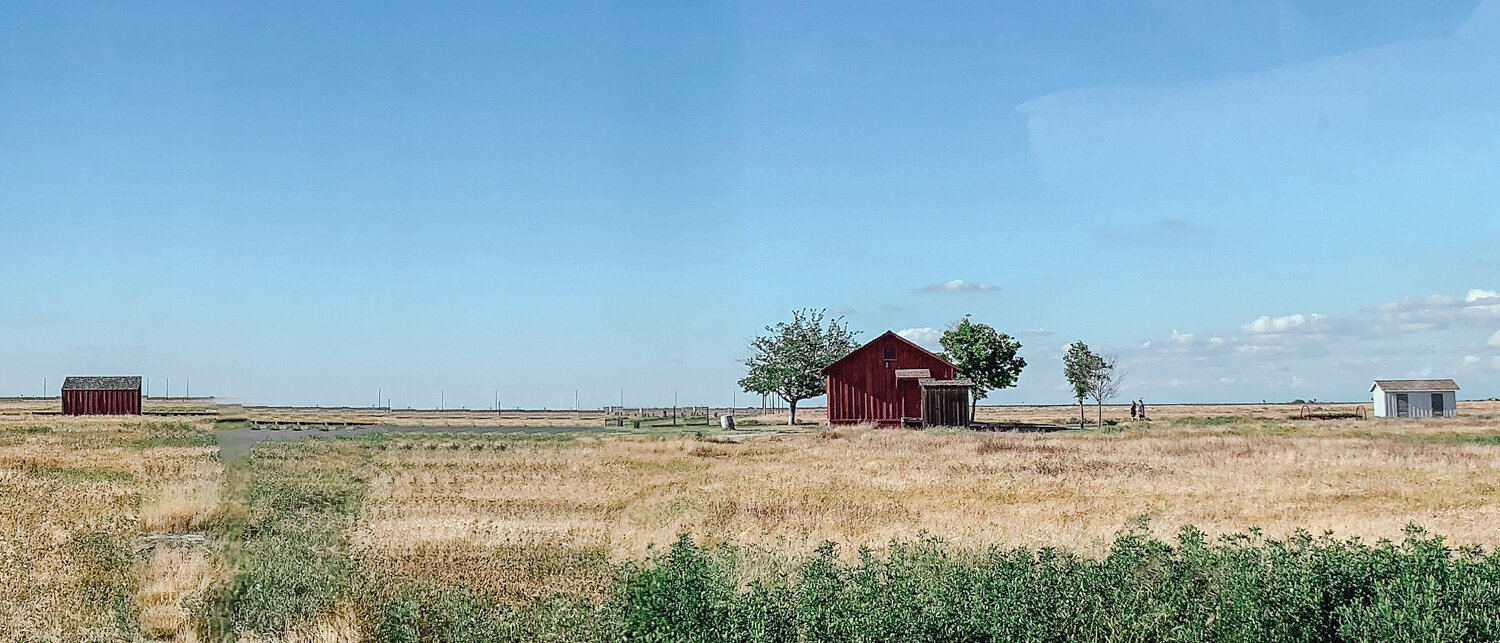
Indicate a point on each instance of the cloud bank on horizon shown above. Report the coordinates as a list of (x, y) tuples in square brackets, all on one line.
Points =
[(1414, 337)]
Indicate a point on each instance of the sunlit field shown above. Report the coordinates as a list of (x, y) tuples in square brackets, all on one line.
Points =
[(130, 529), (78, 501)]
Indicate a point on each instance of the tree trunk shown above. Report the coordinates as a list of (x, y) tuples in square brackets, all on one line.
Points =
[(792, 419), (974, 411), (1101, 414), (1081, 418)]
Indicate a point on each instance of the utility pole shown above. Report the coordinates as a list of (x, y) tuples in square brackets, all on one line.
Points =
[(190, 387), (169, 387), (674, 408), (379, 395), (442, 399)]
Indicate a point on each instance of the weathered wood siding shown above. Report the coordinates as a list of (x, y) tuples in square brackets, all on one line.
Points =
[(125, 402), (862, 387), (945, 405)]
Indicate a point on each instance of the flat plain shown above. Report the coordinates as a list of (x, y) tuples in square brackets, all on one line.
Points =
[(100, 519)]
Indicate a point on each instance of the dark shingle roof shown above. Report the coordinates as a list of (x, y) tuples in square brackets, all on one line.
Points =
[(915, 373), (129, 383), (929, 382), (1415, 385)]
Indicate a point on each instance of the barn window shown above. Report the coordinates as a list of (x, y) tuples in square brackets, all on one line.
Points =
[(890, 353)]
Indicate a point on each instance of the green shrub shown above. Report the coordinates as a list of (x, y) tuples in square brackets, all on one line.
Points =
[(1237, 588)]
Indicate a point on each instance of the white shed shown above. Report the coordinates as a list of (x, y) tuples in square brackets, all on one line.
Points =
[(1414, 398)]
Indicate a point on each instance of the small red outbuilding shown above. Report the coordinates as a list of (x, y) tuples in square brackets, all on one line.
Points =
[(892, 381), (101, 396)]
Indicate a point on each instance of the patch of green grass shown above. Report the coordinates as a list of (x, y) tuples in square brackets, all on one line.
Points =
[(81, 476), (291, 550), (1484, 439), (168, 434), (1220, 420), (31, 430), (228, 424)]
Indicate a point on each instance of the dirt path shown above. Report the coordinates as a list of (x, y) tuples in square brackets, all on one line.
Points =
[(236, 443)]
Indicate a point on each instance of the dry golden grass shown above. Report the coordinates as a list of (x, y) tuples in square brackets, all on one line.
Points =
[(543, 514), (1121, 412), (182, 506), (420, 417), (171, 575), (71, 497)]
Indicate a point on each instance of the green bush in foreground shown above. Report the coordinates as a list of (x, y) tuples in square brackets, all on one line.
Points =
[(1239, 588)]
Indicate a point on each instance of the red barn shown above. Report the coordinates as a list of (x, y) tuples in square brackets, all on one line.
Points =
[(892, 381), (101, 396)]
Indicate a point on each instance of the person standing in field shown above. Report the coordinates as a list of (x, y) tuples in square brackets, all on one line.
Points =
[(1141, 407), (1133, 415)]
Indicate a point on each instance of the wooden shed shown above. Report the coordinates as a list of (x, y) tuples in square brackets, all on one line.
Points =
[(892, 381), (101, 396), (1414, 398)]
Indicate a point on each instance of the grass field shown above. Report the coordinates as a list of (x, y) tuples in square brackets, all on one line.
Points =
[(385, 536)]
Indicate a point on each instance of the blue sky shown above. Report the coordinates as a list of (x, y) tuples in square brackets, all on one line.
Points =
[(302, 203)]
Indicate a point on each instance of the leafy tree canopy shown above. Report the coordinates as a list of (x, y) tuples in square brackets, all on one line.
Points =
[(788, 360), (1080, 365), (983, 355)]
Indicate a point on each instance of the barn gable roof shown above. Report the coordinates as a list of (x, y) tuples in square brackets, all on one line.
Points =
[(893, 335), (1414, 385), (127, 383)]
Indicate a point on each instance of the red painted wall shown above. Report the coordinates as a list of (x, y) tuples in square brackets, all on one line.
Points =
[(101, 402), (862, 387)]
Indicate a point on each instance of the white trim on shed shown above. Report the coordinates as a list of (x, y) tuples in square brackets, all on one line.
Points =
[(1414, 398)]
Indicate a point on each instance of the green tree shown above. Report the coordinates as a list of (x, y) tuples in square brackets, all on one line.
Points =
[(1079, 367), (983, 355), (788, 361)]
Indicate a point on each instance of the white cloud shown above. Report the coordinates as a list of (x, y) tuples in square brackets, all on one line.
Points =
[(958, 285), (1436, 312), (1406, 304), (1494, 340), (1477, 296), (1298, 323), (1470, 360), (924, 337)]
